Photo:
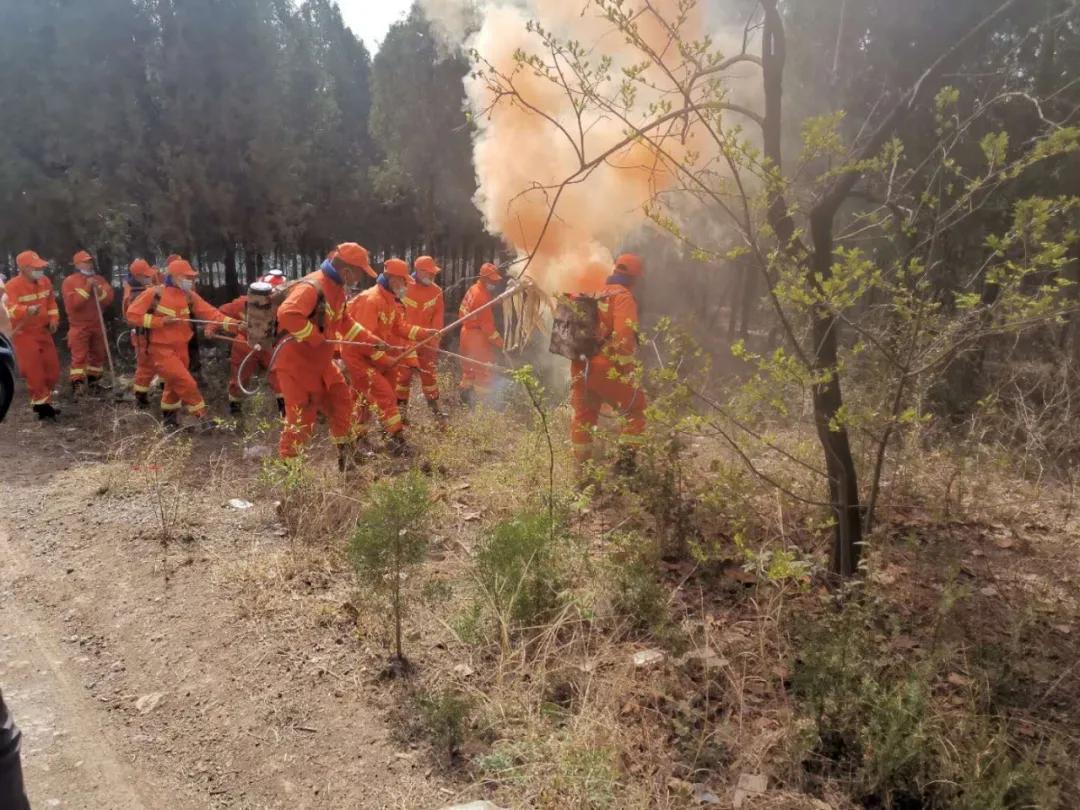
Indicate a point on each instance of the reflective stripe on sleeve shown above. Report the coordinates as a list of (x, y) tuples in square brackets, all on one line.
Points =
[(305, 332)]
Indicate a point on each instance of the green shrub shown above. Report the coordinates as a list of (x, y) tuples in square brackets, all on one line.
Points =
[(519, 572), (637, 593), (880, 727), (446, 717), (391, 535)]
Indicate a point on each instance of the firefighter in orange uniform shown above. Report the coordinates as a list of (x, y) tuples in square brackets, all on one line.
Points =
[(85, 338), (165, 311), (479, 336), (35, 317), (379, 312), (140, 277), (313, 312), (424, 306), (613, 376), (237, 308)]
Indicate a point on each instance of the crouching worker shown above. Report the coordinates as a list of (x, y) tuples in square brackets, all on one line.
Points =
[(612, 376), (166, 312)]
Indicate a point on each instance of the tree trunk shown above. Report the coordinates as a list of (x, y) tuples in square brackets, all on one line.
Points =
[(232, 283), (827, 397), (828, 402)]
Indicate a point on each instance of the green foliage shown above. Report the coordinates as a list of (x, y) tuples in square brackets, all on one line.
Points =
[(418, 124), (391, 537), (638, 596), (445, 714), (519, 571), (878, 721)]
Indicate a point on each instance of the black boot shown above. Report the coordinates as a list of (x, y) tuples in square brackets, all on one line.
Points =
[(440, 415), (281, 407), (78, 388), (142, 399), (467, 398), (170, 419), (46, 411), (398, 446), (236, 408), (95, 386), (348, 457), (403, 409)]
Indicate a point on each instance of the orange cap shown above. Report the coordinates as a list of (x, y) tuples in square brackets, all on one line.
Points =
[(396, 267), (354, 255), (630, 265), (140, 268), (426, 264), (181, 269), (490, 272), (172, 257), (30, 259), (81, 256)]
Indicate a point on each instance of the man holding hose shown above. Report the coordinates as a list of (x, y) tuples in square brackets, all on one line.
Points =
[(166, 313), (314, 312)]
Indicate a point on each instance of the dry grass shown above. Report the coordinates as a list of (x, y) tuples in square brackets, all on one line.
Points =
[(561, 716)]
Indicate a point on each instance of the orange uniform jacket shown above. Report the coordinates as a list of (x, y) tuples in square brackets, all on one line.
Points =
[(424, 305), (173, 303), (23, 294), (380, 313), (618, 311), (484, 322), (78, 291), (308, 354), (131, 293)]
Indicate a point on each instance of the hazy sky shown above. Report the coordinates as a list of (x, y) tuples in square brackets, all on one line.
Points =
[(370, 19)]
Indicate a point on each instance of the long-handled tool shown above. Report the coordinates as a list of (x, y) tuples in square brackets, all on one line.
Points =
[(117, 393), (514, 288)]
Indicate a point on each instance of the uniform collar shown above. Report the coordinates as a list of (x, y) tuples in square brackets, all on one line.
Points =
[(621, 280), (332, 274)]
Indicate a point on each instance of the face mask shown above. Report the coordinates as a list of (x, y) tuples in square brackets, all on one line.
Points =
[(186, 284), (425, 280), (89, 271), (491, 287), (37, 275), (398, 291)]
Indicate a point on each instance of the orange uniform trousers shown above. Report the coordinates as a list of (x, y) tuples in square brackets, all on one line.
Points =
[(261, 360), (144, 366), (594, 385), (476, 346), (307, 394), (373, 390), (170, 362), (87, 345), (427, 360), (38, 362)]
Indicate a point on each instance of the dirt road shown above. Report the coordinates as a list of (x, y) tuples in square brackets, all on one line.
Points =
[(212, 672)]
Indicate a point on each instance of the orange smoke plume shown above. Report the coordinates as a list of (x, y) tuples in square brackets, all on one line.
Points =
[(528, 143)]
